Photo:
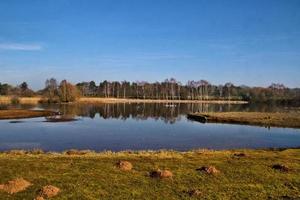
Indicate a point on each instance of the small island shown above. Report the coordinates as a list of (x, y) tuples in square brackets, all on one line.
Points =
[(268, 119), (21, 113)]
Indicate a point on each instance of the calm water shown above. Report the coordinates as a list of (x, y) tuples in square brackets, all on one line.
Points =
[(141, 126)]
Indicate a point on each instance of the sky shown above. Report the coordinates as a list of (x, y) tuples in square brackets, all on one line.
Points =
[(249, 42)]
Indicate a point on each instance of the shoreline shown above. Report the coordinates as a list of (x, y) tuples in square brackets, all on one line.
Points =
[(100, 100), (146, 152), (266, 119)]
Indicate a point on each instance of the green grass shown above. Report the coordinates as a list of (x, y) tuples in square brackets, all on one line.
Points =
[(95, 175)]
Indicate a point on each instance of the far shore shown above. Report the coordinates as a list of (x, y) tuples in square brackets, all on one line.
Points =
[(268, 119), (99, 100)]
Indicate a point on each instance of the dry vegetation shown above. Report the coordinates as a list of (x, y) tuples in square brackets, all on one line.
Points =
[(20, 114), (283, 119), (237, 174), (23, 100), (96, 100)]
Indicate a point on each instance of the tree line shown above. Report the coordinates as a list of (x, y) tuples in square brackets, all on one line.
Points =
[(169, 89)]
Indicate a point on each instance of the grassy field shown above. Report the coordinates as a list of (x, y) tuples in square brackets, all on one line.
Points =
[(20, 114), (283, 119), (243, 174)]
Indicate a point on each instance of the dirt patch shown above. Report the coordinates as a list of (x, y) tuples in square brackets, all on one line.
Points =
[(161, 174), (14, 186), (124, 165), (281, 167), (209, 170), (48, 192)]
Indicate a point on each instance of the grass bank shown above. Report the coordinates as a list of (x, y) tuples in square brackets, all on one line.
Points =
[(20, 114), (97, 100), (243, 174), (283, 119)]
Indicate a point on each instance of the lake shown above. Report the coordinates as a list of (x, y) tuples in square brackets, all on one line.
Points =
[(139, 126)]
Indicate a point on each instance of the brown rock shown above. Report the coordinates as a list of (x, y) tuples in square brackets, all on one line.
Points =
[(161, 174), (49, 191), (14, 186), (124, 165), (209, 169)]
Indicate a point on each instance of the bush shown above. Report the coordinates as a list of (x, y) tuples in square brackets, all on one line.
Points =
[(15, 100), (67, 92)]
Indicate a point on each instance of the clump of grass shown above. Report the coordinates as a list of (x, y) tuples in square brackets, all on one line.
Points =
[(77, 152)]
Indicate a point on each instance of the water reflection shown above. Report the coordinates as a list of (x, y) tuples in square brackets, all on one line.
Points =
[(148, 126), (169, 113)]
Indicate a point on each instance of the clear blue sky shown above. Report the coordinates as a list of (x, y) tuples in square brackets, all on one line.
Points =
[(253, 42)]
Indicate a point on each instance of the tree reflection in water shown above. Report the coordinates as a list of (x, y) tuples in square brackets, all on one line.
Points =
[(169, 113)]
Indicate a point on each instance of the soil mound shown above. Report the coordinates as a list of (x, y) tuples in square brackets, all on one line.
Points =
[(14, 186), (239, 155), (161, 174), (280, 167), (39, 198), (124, 165), (48, 192), (209, 170)]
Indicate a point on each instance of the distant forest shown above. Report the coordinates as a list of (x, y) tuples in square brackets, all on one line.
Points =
[(169, 89)]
